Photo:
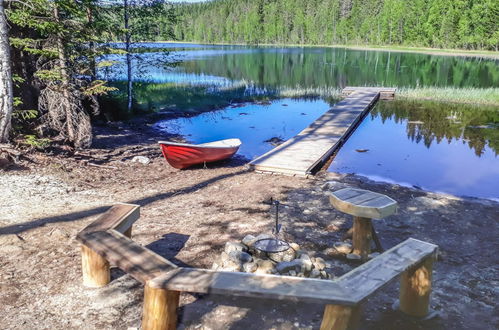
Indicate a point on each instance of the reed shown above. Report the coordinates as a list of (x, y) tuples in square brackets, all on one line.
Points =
[(468, 95)]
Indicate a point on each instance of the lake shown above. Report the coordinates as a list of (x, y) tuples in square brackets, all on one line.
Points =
[(268, 94)]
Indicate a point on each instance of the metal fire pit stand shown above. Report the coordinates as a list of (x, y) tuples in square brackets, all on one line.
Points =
[(273, 245)]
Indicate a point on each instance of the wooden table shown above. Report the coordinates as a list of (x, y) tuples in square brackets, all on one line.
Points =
[(364, 205)]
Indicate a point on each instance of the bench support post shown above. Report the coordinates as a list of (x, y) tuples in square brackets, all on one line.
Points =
[(337, 317), (362, 234), (128, 232), (95, 268), (415, 289), (160, 309)]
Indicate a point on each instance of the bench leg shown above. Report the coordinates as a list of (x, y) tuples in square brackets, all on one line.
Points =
[(415, 289), (160, 309), (337, 317), (362, 235), (128, 232), (95, 268)]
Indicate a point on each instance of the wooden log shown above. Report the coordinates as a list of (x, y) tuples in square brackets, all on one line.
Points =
[(160, 309), (415, 289), (128, 232), (362, 235), (95, 268), (337, 317)]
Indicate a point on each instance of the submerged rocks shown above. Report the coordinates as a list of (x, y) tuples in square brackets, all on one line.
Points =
[(275, 141)]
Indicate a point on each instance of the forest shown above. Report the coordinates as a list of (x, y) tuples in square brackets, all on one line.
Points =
[(466, 24), (51, 50), (49, 57)]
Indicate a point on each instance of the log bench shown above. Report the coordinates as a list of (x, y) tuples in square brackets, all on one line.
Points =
[(105, 241)]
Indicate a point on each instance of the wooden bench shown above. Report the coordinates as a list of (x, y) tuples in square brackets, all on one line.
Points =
[(364, 205), (164, 281)]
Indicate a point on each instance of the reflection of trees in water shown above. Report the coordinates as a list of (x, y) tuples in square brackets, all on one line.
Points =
[(330, 67), (429, 122)]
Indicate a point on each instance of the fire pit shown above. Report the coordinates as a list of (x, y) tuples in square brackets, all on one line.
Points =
[(272, 245), (268, 254)]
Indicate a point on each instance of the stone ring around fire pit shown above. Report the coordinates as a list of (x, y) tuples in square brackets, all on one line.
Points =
[(245, 256)]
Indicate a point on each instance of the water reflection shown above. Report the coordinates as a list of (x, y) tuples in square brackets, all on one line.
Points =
[(252, 123), (294, 67), (439, 147)]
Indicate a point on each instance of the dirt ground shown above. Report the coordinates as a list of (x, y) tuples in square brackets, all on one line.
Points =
[(187, 216)]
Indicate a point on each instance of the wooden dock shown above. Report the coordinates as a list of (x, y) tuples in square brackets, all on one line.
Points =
[(305, 152)]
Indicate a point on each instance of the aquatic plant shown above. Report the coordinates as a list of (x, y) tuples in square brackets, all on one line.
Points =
[(470, 95)]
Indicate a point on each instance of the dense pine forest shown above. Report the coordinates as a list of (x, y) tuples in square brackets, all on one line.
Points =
[(466, 24)]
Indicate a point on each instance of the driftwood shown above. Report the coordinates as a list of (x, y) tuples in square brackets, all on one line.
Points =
[(9, 152)]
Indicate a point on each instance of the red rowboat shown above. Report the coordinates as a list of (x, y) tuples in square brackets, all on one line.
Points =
[(182, 155)]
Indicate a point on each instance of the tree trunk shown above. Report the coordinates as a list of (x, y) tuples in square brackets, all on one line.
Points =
[(128, 57), (6, 91), (70, 125)]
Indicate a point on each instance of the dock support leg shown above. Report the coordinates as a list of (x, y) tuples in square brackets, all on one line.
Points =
[(160, 309), (362, 235), (337, 317), (415, 289), (95, 268)]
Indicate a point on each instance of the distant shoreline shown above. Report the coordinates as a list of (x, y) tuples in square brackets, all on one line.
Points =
[(398, 49)]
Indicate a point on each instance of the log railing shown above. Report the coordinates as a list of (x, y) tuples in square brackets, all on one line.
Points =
[(108, 240)]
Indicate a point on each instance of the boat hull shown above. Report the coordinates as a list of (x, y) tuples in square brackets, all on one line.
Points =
[(183, 156)]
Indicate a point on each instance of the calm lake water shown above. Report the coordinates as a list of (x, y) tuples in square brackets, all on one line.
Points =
[(440, 147)]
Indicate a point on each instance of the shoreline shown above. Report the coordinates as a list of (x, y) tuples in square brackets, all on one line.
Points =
[(485, 54)]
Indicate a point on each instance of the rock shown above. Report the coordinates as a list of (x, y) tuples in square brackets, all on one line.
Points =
[(373, 255), (294, 246), (325, 186), (323, 274), (231, 266), (215, 266), (319, 263), (299, 253), (315, 273), (249, 240), (306, 263), (250, 267), (292, 273), (59, 233), (240, 256), (343, 247), (264, 266), (233, 246), (275, 141), (141, 159), (352, 256), (286, 266), (287, 255)]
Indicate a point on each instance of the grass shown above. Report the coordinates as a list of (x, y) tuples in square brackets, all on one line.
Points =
[(479, 96)]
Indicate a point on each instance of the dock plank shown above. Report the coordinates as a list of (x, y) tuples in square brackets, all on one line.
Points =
[(302, 154)]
